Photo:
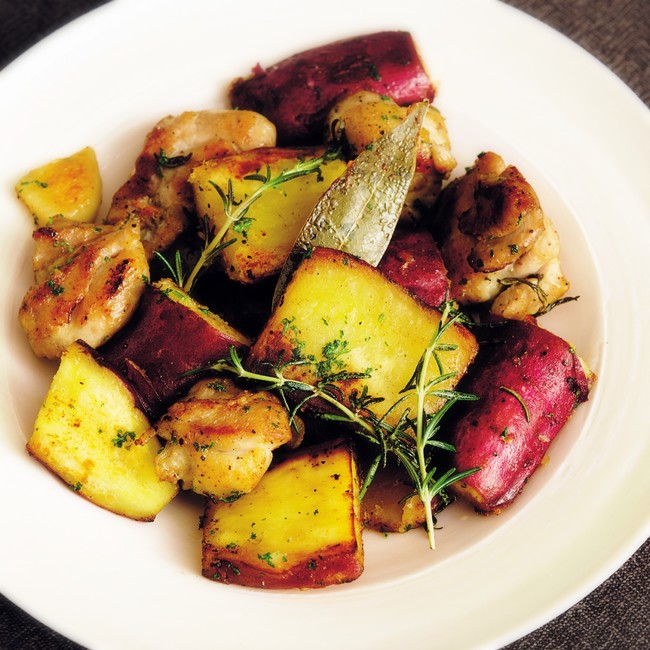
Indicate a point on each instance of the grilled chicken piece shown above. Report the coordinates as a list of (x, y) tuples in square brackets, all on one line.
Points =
[(497, 244), (89, 280), (360, 119), (158, 192), (220, 438), (544, 279)]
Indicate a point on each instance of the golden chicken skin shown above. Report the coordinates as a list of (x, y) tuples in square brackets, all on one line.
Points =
[(88, 282), (497, 244), (220, 438), (362, 118)]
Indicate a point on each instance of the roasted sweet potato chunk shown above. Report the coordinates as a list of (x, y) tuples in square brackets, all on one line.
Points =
[(341, 317), (529, 381), (70, 187), (169, 335), (263, 239), (390, 504), (296, 93), (413, 260), (86, 433), (299, 528)]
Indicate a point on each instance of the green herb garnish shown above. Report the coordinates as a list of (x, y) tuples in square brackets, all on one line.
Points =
[(412, 440)]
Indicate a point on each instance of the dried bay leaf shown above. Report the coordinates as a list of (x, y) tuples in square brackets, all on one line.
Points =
[(359, 211)]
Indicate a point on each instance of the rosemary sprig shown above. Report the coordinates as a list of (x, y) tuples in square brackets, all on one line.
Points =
[(533, 283), (163, 161), (428, 425), (324, 389), (176, 272), (412, 439), (236, 211), (556, 303)]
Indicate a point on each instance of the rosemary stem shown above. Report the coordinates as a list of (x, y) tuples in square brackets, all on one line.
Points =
[(274, 382), (206, 253), (424, 493), (279, 382)]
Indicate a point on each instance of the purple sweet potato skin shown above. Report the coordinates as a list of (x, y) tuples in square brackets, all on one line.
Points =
[(160, 344), (297, 93), (413, 261), (520, 364)]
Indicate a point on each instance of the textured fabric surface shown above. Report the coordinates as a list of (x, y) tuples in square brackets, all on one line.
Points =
[(617, 32)]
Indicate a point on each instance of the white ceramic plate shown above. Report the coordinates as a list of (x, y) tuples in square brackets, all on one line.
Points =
[(506, 83)]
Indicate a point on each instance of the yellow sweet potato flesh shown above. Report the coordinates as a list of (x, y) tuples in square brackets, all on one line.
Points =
[(389, 504), (85, 432), (265, 236), (339, 314), (70, 186), (299, 528)]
